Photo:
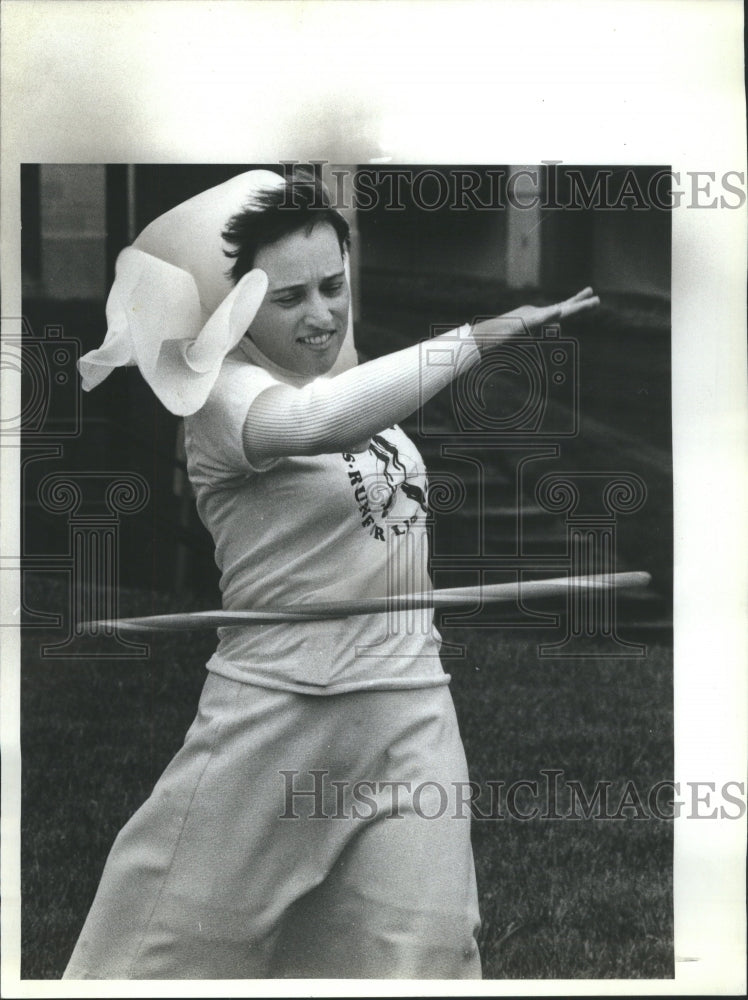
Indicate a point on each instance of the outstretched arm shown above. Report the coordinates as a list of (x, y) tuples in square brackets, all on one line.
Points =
[(330, 415)]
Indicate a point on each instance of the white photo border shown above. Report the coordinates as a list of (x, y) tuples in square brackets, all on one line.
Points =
[(444, 81)]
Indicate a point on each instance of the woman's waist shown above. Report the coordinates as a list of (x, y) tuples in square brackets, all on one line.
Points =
[(397, 644), (369, 588)]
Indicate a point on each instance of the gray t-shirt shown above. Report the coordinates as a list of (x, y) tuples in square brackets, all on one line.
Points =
[(308, 529)]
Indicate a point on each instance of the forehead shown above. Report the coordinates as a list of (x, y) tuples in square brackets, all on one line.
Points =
[(301, 256)]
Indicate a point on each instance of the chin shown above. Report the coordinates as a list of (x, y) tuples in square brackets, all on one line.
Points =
[(322, 364)]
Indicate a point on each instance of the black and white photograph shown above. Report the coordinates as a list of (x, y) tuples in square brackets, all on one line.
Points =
[(373, 548)]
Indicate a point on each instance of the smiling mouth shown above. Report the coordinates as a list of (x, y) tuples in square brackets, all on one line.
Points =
[(317, 339)]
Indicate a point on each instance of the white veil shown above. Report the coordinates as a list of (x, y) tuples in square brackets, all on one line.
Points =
[(172, 309)]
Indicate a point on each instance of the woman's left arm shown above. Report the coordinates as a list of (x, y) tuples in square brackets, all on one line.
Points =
[(330, 415)]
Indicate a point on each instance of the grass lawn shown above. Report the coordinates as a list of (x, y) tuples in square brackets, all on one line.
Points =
[(560, 898), (567, 898)]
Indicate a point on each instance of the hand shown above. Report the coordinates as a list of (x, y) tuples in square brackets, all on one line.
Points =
[(492, 331)]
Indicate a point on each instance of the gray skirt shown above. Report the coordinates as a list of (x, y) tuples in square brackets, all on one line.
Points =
[(296, 836)]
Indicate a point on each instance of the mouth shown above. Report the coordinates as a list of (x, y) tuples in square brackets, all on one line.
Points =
[(317, 340)]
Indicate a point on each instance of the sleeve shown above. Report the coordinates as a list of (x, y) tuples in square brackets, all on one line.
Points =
[(213, 435), (332, 414)]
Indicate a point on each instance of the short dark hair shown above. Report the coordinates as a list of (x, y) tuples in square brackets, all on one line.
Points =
[(301, 202)]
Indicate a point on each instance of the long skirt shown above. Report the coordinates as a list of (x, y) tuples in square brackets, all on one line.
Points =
[(296, 836)]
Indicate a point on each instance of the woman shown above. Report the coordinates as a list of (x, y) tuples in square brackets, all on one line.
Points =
[(284, 838)]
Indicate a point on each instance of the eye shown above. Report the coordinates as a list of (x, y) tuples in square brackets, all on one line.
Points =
[(334, 288), (288, 300)]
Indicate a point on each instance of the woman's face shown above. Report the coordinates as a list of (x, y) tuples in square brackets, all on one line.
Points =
[(303, 318)]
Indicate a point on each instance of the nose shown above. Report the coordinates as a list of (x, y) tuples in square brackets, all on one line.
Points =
[(319, 314)]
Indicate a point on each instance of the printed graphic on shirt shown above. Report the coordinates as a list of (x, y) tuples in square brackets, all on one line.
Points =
[(389, 487)]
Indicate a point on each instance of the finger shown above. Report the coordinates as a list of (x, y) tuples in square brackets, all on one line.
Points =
[(569, 306), (572, 307), (549, 314)]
